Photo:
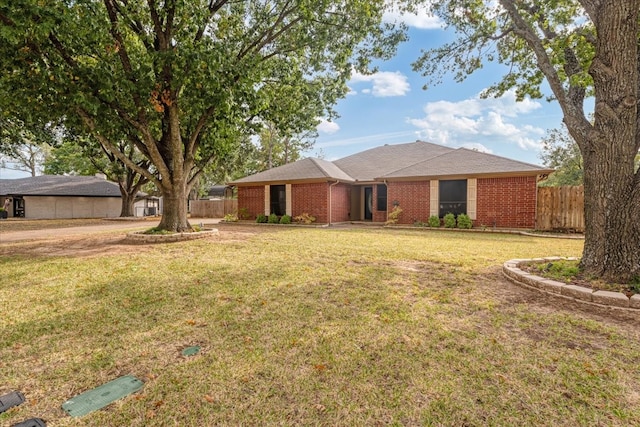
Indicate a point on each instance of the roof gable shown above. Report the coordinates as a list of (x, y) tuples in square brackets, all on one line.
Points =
[(305, 169)]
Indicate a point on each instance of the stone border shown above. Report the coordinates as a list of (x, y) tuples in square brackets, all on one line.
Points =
[(140, 237), (580, 294)]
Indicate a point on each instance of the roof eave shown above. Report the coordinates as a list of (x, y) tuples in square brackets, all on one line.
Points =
[(467, 176), (289, 181)]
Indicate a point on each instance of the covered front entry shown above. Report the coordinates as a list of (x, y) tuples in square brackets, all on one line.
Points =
[(361, 203)]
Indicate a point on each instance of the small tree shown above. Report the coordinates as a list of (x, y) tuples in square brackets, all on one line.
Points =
[(24, 147), (560, 152)]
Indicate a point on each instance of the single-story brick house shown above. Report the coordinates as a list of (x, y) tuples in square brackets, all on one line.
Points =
[(424, 179), (59, 196)]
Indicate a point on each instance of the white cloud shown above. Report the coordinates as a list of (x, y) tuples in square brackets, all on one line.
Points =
[(384, 83), (477, 147), (420, 19), (476, 122), (325, 126)]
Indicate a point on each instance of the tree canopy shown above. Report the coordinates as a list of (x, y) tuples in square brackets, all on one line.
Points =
[(183, 81), (581, 48)]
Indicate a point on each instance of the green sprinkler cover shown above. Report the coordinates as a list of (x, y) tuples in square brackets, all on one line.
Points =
[(99, 397), (191, 351)]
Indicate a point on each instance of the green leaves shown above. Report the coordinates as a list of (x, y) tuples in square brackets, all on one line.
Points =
[(487, 31)]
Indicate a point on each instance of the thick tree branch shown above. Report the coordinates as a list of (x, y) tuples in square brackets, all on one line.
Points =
[(111, 147), (573, 113), (124, 56), (192, 144), (161, 42)]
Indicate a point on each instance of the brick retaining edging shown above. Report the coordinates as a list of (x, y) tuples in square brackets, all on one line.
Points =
[(580, 294), (140, 237)]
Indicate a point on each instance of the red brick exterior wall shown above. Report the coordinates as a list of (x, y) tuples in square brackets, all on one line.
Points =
[(251, 199), (507, 202), (312, 199), (414, 200), (501, 202), (340, 202)]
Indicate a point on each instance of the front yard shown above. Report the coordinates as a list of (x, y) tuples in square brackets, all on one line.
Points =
[(310, 327)]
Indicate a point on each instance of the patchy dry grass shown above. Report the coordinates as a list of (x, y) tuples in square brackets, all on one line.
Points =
[(19, 224), (313, 327)]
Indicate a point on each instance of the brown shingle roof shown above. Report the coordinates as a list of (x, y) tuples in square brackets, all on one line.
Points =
[(465, 162), (380, 161), (305, 169), (413, 160)]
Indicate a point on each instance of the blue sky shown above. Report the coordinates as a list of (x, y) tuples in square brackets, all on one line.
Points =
[(391, 107)]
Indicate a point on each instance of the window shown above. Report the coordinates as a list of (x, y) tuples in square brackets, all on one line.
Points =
[(453, 197), (278, 199), (382, 197)]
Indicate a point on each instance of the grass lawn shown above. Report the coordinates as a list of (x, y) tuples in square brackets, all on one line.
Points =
[(304, 326)]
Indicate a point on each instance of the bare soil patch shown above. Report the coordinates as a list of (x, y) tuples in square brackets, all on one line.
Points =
[(92, 242)]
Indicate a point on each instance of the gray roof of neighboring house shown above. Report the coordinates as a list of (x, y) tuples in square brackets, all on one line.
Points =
[(465, 162), (413, 160), (59, 185), (305, 169)]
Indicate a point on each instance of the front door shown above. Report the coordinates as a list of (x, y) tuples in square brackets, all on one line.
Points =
[(368, 203)]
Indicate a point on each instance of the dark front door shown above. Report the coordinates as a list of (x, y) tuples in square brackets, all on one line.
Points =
[(368, 203), (278, 198)]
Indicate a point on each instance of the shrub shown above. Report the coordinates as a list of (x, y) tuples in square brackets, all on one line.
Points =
[(243, 213), (464, 221), (394, 215), (449, 220), (434, 221), (261, 219), (286, 219), (231, 218), (305, 218), (273, 219)]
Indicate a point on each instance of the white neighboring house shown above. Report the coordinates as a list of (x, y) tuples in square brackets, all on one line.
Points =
[(59, 196)]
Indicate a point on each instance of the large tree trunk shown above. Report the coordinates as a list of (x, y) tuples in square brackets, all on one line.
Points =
[(612, 189), (128, 202), (174, 209)]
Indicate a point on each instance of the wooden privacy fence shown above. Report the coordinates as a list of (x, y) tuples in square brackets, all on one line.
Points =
[(213, 208), (560, 208)]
